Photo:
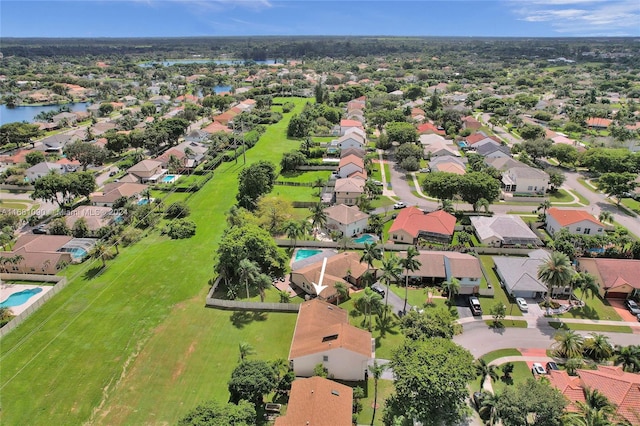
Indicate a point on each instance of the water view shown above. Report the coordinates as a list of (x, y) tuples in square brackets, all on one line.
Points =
[(27, 113)]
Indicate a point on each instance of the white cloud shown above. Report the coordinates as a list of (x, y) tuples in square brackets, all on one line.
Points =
[(582, 17)]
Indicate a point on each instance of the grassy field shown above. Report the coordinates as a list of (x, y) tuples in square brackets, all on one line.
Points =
[(113, 347), (500, 353), (632, 204), (296, 193), (306, 177), (385, 388), (591, 327)]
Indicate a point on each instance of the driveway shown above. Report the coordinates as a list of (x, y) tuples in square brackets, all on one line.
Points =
[(396, 302), (622, 310)]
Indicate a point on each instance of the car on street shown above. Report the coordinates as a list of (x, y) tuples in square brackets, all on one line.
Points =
[(633, 307), (522, 304), (474, 305), (378, 289), (39, 230), (537, 368), (399, 205), (552, 366)]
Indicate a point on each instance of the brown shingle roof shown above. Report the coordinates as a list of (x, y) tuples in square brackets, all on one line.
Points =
[(317, 401), (345, 214), (316, 321)]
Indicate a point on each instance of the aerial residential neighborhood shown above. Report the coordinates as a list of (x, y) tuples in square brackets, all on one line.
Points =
[(318, 230)]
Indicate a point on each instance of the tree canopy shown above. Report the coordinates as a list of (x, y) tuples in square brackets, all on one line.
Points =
[(213, 413), (255, 181), (533, 396), (62, 189), (250, 380), (401, 132)]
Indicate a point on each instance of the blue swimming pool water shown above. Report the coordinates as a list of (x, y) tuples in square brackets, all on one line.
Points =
[(17, 299), (169, 178), (366, 238), (143, 201), (304, 253), (78, 253)]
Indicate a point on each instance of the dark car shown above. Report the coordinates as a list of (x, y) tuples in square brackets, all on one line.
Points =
[(39, 230), (378, 289), (633, 307), (474, 305), (552, 366)]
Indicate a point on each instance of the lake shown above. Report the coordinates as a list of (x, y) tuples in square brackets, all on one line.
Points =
[(203, 61), (26, 113)]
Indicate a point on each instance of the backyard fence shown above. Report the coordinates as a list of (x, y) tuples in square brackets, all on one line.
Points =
[(311, 168), (288, 183), (234, 305), (60, 283)]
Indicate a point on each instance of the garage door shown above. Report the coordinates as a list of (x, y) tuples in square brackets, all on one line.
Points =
[(614, 295)]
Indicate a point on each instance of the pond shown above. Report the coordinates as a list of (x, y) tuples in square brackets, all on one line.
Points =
[(27, 113)]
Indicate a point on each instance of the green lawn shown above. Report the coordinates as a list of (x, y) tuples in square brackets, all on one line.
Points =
[(500, 353), (595, 309), (134, 344), (305, 176), (521, 373), (375, 172), (499, 293), (560, 196), (385, 388), (296, 193), (631, 204), (509, 323), (584, 183), (382, 201), (591, 327)]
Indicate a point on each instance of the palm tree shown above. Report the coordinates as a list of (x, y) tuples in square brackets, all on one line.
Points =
[(568, 344), (482, 202), (262, 282), (595, 411), (102, 252), (572, 364), (245, 350), (544, 206), (598, 347), (586, 283), (376, 370), (318, 216), (342, 291), (367, 303), (489, 408), (485, 370), (370, 254), (447, 206), (318, 183), (555, 272), (247, 271), (293, 229), (364, 203), (605, 216), (115, 241), (452, 287), (628, 357), (391, 271), (17, 260), (410, 264), (376, 224), (146, 193)]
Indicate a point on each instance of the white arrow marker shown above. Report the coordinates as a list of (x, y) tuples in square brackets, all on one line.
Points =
[(320, 287)]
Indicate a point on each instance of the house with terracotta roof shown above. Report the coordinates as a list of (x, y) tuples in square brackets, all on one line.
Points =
[(597, 123), (348, 190), (480, 137), (427, 128), (347, 124), (617, 278), (413, 223), (324, 336), (344, 268), (573, 220), (621, 388), (471, 123), (40, 254), (115, 190), (439, 266), (318, 401), (215, 127), (349, 165), (348, 220)]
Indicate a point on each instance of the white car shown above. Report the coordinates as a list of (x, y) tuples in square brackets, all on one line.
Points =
[(399, 205), (537, 368), (522, 304)]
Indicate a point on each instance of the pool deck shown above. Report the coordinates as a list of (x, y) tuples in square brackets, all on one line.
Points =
[(311, 259), (7, 290)]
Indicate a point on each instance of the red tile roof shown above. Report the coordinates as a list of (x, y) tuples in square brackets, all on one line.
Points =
[(350, 123), (317, 401), (413, 221), (566, 217), (613, 273), (621, 388), (599, 122), (430, 128), (477, 137)]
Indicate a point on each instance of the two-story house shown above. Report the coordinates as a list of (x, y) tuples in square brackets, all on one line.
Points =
[(573, 220)]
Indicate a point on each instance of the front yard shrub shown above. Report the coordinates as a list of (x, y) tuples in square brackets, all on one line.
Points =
[(177, 210), (181, 229), (130, 236)]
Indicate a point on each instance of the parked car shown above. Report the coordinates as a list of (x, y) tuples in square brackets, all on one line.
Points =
[(552, 366), (537, 368), (638, 316), (474, 304), (378, 183), (633, 307), (425, 170), (399, 205), (522, 304), (378, 289), (39, 230)]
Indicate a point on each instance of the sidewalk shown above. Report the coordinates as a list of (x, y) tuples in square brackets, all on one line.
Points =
[(553, 319), (386, 192)]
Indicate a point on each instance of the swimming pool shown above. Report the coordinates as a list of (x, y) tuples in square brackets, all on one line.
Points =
[(78, 253), (304, 253), (17, 299), (366, 238), (170, 178), (143, 201)]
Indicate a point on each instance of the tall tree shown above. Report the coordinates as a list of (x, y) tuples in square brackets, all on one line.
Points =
[(431, 378), (369, 302), (628, 357), (255, 181), (342, 292), (214, 413), (245, 349), (248, 272), (85, 153), (555, 272), (391, 270), (597, 410), (586, 283), (617, 185), (452, 287), (568, 344), (598, 347), (531, 399), (376, 371), (318, 216), (251, 380), (485, 370), (370, 254), (410, 264)]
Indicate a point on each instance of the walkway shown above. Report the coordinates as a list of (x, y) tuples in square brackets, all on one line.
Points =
[(632, 324), (383, 173)]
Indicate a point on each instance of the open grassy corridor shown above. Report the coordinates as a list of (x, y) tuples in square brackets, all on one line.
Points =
[(136, 340)]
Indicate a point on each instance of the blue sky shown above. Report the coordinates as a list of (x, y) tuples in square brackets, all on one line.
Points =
[(174, 18)]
